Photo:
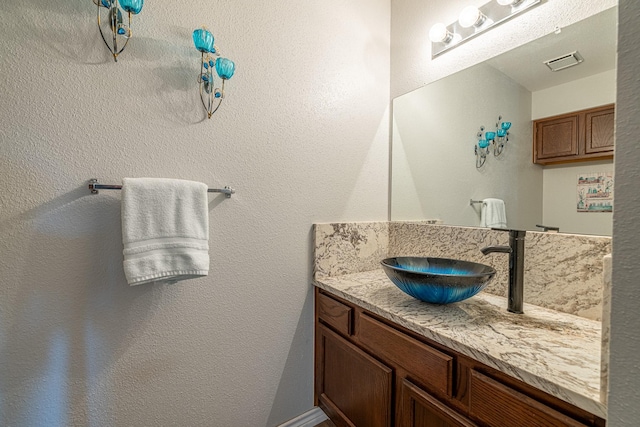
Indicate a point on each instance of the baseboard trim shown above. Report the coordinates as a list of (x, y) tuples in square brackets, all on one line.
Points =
[(310, 418)]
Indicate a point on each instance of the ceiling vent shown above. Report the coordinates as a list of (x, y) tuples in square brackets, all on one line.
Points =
[(564, 61)]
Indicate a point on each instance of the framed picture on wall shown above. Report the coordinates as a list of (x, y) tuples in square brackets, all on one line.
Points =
[(595, 192)]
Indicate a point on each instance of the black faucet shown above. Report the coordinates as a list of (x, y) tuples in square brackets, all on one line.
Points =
[(516, 267)]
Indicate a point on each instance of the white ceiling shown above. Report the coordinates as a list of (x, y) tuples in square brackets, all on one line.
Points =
[(595, 39)]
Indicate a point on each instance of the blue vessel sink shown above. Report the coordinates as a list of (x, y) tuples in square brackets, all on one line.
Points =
[(438, 280)]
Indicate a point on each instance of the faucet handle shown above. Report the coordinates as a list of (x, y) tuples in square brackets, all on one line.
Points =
[(549, 228), (506, 229)]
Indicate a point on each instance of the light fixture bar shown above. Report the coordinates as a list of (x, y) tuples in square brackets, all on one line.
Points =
[(496, 14)]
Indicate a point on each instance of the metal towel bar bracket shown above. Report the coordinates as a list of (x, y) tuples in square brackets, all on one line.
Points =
[(473, 202), (94, 186)]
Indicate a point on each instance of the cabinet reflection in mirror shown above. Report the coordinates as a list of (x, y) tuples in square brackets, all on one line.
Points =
[(433, 161)]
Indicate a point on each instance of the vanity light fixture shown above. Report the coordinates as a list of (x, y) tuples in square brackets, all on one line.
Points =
[(121, 33), (475, 20), (488, 138), (210, 95)]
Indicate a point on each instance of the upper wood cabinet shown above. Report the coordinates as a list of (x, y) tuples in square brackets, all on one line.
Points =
[(579, 136)]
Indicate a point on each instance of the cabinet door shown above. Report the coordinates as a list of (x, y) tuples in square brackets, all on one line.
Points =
[(498, 405), (352, 387), (600, 125), (579, 136), (557, 137), (420, 409)]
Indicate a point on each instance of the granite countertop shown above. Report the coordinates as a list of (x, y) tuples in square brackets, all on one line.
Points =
[(556, 352)]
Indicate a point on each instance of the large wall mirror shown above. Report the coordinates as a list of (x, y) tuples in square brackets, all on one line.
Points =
[(434, 174)]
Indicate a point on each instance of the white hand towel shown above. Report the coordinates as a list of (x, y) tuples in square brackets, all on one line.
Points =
[(165, 230), (493, 214)]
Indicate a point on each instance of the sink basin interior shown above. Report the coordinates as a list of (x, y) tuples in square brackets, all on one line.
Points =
[(439, 266)]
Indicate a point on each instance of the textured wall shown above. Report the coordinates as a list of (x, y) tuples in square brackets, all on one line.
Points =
[(625, 322), (302, 137)]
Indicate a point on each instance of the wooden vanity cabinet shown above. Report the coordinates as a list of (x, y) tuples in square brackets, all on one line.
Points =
[(370, 372), (579, 136)]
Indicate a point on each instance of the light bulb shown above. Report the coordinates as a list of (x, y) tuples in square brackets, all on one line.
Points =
[(439, 33), (470, 16)]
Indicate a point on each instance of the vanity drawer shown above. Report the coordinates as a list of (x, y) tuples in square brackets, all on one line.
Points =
[(334, 313), (430, 366), (498, 405)]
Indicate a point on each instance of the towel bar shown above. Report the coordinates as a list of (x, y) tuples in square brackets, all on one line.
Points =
[(94, 187), (473, 202)]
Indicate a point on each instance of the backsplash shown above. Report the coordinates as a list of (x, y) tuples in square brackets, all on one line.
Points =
[(563, 272), (344, 248)]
